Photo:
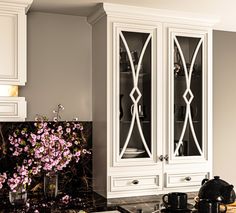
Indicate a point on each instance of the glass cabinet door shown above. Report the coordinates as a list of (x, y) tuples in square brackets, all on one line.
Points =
[(188, 72), (135, 67)]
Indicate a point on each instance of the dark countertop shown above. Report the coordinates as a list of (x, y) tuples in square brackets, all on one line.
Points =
[(145, 204), (88, 202)]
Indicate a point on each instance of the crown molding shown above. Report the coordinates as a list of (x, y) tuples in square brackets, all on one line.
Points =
[(97, 14), (16, 4), (143, 13)]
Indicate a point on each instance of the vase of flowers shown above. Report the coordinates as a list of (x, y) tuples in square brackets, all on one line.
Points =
[(50, 148), (38, 149), (18, 183), (50, 185), (18, 196)]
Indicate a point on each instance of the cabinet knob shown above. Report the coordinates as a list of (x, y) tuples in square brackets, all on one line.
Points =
[(135, 182), (161, 158), (166, 157), (188, 178)]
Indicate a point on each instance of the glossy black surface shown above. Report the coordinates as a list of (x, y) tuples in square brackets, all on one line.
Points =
[(175, 200), (151, 204), (176, 210), (87, 201), (217, 189)]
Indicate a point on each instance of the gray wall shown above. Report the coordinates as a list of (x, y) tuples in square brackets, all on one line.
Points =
[(59, 66), (224, 113)]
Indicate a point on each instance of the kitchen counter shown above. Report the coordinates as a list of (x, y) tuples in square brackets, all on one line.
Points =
[(145, 204), (87, 202)]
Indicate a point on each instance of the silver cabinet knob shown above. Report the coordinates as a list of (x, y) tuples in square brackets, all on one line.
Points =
[(161, 158), (166, 157), (188, 178), (135, 182)]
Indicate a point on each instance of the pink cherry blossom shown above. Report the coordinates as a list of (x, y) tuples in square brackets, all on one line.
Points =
[(46, 147)]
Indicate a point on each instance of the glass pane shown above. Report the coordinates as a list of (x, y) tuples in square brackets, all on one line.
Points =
[(135, 94), (187, 96)]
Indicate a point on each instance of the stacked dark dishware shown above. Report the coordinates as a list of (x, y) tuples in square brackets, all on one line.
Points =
[(175, 202), (208, 206), (213, 196)]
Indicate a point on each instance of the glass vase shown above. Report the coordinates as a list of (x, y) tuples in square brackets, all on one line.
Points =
[(50, 185), (18, 197)]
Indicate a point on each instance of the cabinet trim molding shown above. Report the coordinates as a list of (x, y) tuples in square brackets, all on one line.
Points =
[(150, 14), (14, 4), (13, 15)]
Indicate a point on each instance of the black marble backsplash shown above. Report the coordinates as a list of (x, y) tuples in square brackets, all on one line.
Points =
[(82, 178)]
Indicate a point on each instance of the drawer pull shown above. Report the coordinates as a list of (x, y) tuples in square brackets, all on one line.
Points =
[(188, 178), (135, 182)]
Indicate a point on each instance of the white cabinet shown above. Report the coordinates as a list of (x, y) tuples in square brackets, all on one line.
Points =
[(151, 101), (13, 55), (189, 100), (12, 109), (134, 93), (13, 41)]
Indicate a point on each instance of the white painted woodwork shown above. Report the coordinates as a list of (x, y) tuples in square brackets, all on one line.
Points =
[(205, 36), (13, 41), (99, 91), (146, 14), (127, 183), (135, 114), (161, 170), (184, 179), (153, 32), (12, 109), (188, 76), (13, 56)]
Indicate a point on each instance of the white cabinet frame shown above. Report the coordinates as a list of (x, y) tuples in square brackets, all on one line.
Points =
[(13, 37), (12, 109), (161, 172), (194, 33)]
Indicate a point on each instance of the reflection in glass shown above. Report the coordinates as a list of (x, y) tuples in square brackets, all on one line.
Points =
[(135, 90), (188, 96)]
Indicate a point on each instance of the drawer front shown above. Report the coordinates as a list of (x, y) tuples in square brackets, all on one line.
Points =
[(12, 109), (134, 183), (184, 179), (8, 109)]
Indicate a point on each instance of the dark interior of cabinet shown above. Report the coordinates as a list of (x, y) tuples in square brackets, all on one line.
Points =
[(135, 42), (188, 147)]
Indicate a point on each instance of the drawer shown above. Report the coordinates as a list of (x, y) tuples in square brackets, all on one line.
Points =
[(12, 109), (184, 179), (134, 182)]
